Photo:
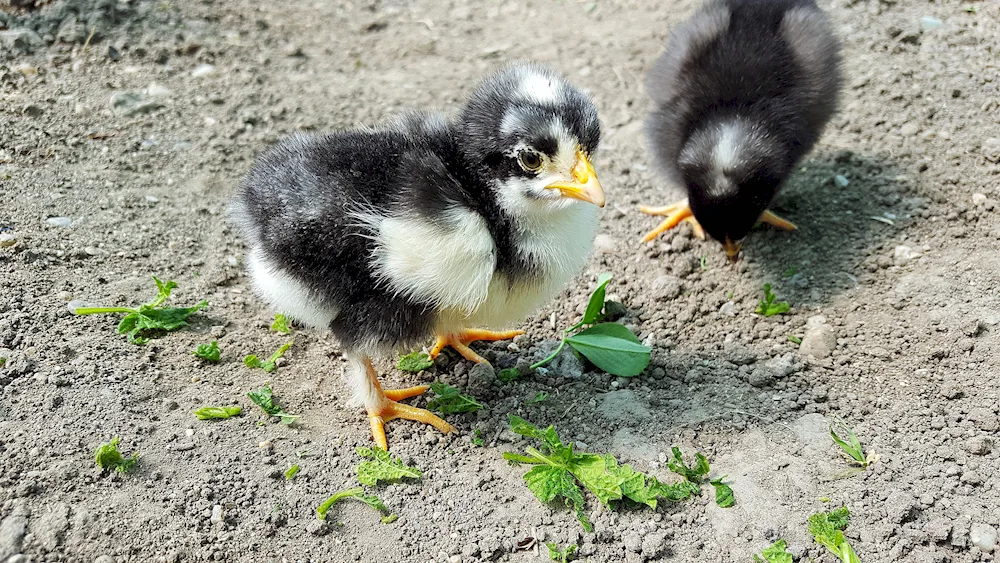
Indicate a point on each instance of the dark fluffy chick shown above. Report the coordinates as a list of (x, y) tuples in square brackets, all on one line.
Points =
[(424, 226), (742, 92)]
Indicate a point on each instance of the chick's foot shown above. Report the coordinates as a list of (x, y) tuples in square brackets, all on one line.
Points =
[(675, 214), (460, 342), (770, 218), (391, 410), (382, 406)]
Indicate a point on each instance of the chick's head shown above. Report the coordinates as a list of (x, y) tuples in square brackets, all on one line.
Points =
[(532, 135), (732, 170)]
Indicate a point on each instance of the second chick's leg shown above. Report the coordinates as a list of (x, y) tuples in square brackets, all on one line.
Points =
[(382, 406), (676, 214), (460, 342)]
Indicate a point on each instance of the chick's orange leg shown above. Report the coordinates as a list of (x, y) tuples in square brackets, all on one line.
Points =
[(460, 342), (675, 214), (772, 219), (382, 407)]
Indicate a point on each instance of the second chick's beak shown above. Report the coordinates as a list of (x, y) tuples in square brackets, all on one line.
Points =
[(732, 249), (585, 186)]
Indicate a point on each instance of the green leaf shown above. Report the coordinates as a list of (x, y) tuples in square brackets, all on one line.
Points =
[(596, 303), (107, 456), (383, 467), (357, 493), (723, 493), (852, 446), (210, 413), (390, 518), (269, 365), (695, 475), (292, 472), (776, 553), (549, 482), (208, 352), (450, 401), (612, 348), (561, 555), (560, 473), (827, 528), (507, 375), (539, 397), (770, 306), (149, 319), (794, 339), (477, 439), (414, 362), (280, 324), (264, 398)]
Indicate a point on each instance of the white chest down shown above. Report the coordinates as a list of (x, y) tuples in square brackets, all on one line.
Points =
[(453, 266)]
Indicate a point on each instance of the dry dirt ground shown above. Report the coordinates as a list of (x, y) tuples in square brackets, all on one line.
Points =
[(117, 161)]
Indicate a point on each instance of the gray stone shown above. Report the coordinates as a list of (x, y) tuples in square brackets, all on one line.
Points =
[(819, 340), (104, 559), (775, 368), (59, 221), (12, 531), (978, 445), (984, 537), (991, 149), (51, 526), (901, 507), (318, 528), (130, 104), (72, 31), (904, 254), (665, 288), (632, 542), (21, 40), (653, 544)]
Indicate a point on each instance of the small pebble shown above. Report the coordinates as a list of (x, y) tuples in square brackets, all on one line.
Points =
[(59, 221), (978, 199), (217, 515), (202, 71), (984, 537)]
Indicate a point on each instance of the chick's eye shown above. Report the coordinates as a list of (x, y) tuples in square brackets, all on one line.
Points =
[(529, 160)]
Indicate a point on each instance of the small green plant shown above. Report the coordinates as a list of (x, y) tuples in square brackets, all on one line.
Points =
[(559, 472), (790, 272), (415, 362), (776, 553), (827, 528), (3, 361), (724, 496), (794, 339), (356, 493), (450, 401), (539, 398), (609, 346), (209, 352), (703, 262), (149, 319), (270, 364), (507, 375), (851, 447), (561, 555), (291, 472), (477, 438), (217, 413), (380, 466), (280, 324), (107, 456), (971, 9), (770, 305), (264, 398)]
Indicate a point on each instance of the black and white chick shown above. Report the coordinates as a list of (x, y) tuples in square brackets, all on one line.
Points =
[(426, 227), (741, 94)]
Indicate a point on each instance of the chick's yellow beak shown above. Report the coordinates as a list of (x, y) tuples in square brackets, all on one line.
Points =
[(732, 249), (585, 185)]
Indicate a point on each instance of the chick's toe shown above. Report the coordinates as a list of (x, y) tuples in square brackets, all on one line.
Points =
[(675, 214)]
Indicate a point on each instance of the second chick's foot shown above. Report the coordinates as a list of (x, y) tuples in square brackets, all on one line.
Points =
[(675, 214), (770, 218), (460, 342)]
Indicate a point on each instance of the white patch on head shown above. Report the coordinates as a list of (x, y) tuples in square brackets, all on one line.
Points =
[(447, 266), (727, 151), (523, 196), (538, 88), (286, 293)]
